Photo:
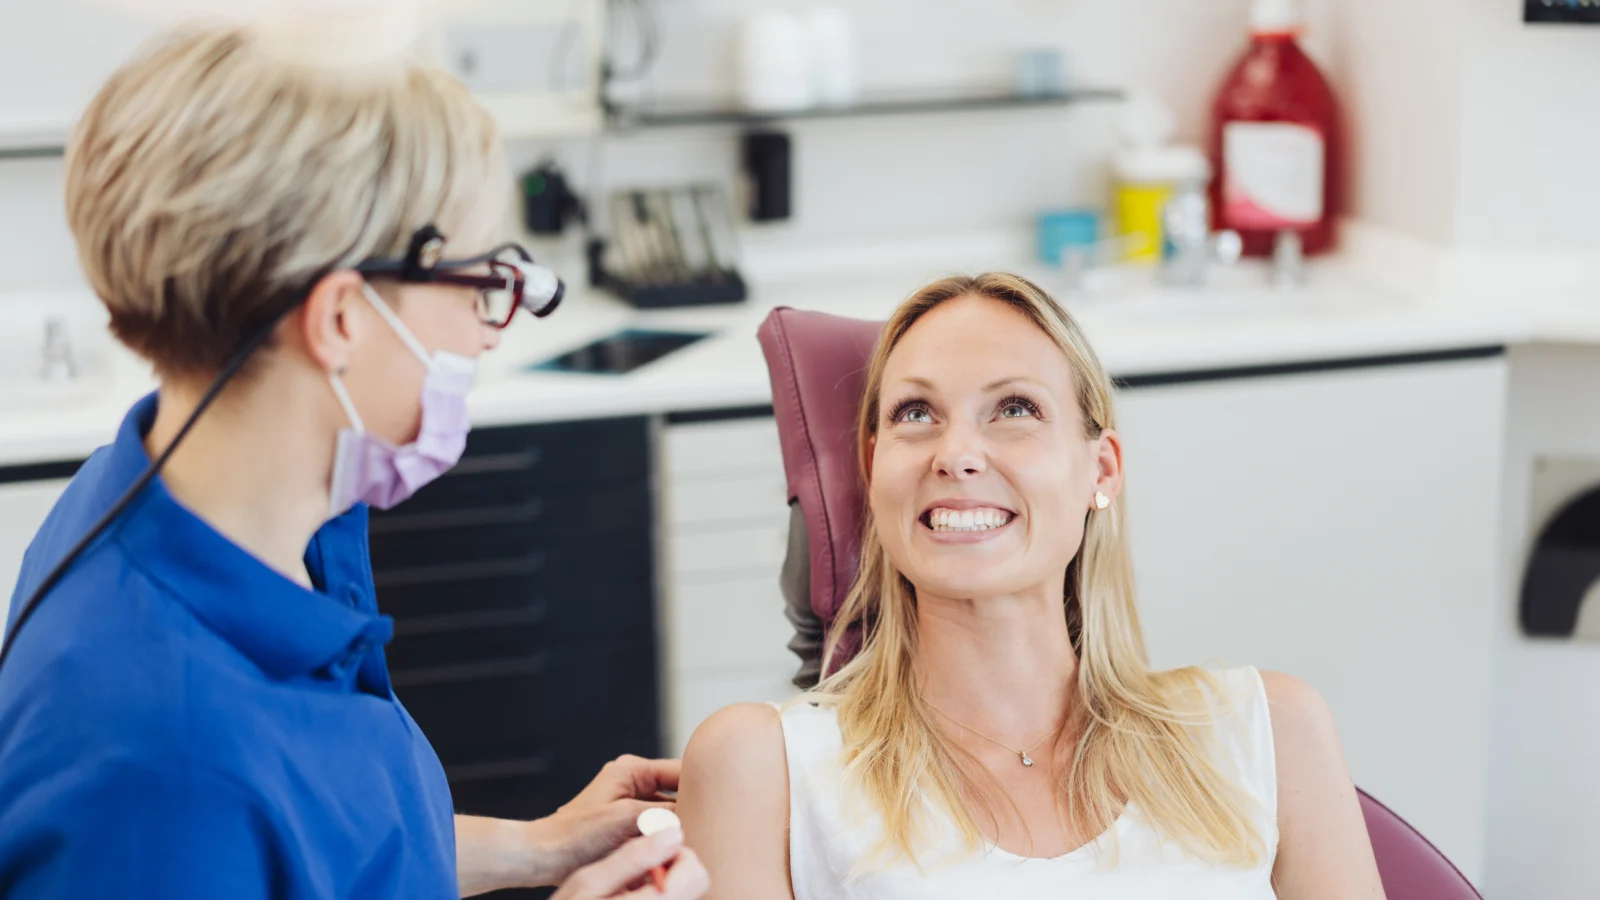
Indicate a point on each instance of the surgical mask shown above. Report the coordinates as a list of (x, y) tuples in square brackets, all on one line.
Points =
[(367, 468)]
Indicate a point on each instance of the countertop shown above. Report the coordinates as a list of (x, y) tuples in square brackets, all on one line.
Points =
[(1137, 328)]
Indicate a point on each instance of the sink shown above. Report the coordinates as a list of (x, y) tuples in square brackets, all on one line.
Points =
[(621, 352), (1136, 295)]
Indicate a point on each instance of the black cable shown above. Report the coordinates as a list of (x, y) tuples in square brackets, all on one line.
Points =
[(51, 580)]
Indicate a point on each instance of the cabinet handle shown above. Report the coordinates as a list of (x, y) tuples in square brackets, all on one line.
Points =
[(531, 613), (509, 768), (488, 463), (523, 513), (529, 564), (473, 671)]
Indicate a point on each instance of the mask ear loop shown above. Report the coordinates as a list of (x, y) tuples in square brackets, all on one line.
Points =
[(345, 401), (393, 318)]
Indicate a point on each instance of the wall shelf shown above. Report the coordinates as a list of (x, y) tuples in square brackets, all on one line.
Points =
[(690, 114), (32, 139)]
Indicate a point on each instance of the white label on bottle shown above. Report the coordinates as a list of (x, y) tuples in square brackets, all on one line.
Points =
[(1273, 175)]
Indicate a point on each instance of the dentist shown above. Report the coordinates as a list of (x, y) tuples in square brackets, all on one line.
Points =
[(193, 695)]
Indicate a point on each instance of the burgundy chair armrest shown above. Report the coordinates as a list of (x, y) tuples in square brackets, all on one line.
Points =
[(1410, 866)]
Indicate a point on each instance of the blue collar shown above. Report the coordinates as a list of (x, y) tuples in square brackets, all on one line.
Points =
[(284, 628)]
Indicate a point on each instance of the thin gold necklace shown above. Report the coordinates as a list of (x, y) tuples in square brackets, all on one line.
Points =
[(1021, 754)]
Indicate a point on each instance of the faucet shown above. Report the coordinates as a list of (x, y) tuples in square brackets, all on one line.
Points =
[(59, 362), (1288, 259), (1188, 245)]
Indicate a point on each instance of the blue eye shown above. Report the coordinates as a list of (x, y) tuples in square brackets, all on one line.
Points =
[(1018, 407), (913, 411)]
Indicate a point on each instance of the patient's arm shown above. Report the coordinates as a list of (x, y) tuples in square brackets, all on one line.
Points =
[(733, 797), (1323, 849)]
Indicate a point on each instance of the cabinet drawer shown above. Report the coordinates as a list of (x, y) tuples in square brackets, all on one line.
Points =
[(528, 622), (506, 542), (521, 708), (703, 501), (557, 453), (730, 625), (584, 585), (529, 508), (533, 787), (714, 448), (758, 547)]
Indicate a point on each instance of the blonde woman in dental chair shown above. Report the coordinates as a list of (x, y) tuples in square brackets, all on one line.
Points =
[(1000, 733)]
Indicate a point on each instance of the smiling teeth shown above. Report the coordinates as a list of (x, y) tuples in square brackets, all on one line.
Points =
[(982, 519)]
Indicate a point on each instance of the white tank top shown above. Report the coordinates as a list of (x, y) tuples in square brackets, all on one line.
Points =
[(825, 844)]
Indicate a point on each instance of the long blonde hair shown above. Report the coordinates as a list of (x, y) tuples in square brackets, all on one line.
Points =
[(1142, 736)]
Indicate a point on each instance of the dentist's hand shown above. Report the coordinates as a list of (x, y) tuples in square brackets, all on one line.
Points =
[(625, 874), (604, 816)]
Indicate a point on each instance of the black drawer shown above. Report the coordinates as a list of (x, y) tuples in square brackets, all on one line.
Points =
[(586, 579), (557, 453), (527, 707), (498, 533), (535, 786), (539, 508), (532, 629)]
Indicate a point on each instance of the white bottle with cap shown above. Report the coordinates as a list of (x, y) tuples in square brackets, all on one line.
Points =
[(775, 62), (1146, 173), (833, 55)]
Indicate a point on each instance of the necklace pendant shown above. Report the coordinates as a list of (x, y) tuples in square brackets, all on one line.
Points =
[(1026, 760)]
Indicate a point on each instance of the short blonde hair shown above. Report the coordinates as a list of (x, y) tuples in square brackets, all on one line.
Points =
[(210, 184)]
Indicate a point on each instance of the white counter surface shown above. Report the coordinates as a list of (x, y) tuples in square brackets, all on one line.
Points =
[(1137, 331)]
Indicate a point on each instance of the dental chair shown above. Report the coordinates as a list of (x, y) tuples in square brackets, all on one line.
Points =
[(817, 363)]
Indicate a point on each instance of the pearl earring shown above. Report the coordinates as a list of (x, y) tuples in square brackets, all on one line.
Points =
[(1101, 501)]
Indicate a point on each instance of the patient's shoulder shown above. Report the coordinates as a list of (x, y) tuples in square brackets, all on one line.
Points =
[(1301, 719), (1303, 731), (739, 738), (736, 758), (733, 797)]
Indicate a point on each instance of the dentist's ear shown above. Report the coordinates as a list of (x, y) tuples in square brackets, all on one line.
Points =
[(326, 324), (872, 449)]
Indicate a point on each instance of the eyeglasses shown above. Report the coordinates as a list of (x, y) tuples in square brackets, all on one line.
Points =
[(514, 281)]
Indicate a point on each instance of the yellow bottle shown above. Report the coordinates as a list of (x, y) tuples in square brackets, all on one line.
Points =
[(1145, 174)]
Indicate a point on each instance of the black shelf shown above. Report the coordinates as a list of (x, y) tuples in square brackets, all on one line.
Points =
[(689, 114), (42, 151)]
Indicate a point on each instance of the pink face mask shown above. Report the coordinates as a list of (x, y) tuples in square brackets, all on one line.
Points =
[(368, 469)]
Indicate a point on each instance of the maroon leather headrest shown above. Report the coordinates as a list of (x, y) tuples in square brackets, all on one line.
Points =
[(818, 366)]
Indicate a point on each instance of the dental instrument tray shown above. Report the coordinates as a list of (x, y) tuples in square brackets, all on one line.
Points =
[(669, 247)]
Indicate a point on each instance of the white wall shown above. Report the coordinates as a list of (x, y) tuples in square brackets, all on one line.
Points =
[(1529, 133), (1397, 68), (1544, 785), (1471, 129), (861, 179), (856, 180)]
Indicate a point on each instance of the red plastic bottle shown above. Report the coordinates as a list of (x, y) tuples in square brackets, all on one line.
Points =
[(1274, 141)]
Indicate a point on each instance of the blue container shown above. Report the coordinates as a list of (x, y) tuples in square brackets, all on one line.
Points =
[(1061, 229)]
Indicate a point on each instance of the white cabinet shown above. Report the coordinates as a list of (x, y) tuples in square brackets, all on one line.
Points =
[(23, 506), (1342, 527), (725, 525)]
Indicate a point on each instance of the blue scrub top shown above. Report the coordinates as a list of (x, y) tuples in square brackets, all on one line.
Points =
[(179, 720)]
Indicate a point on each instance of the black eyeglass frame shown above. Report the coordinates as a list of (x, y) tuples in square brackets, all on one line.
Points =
[(423, 264)]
